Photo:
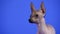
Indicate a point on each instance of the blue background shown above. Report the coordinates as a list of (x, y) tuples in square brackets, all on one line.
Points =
[(14, 15)]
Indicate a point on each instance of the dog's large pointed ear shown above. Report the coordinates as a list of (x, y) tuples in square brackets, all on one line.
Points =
[(32, 7), (42, 7)]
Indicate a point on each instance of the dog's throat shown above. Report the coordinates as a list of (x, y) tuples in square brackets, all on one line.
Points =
[(41, 25), (42, 21)]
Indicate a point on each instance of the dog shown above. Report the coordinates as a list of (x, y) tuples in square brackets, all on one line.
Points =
[(37, 17)]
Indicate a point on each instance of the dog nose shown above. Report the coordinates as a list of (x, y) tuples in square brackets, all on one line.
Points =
[(30, 21)]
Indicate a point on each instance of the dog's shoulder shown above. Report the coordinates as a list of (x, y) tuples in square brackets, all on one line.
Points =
[(51, 28)]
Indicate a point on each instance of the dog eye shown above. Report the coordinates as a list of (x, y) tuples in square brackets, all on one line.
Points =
[(36, 15)]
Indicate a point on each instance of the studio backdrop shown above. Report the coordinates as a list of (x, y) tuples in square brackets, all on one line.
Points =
[(14, 15)]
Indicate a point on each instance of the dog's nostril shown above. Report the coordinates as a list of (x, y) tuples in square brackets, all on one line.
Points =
[(29, 19)]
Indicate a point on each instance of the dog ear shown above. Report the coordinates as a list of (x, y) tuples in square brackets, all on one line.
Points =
[(32, 7), (42, 7)]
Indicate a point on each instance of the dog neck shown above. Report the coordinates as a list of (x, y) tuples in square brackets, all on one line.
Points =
[(41, 21), (41, 25)]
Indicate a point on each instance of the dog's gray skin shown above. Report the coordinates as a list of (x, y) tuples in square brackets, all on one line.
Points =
[(37, 17)]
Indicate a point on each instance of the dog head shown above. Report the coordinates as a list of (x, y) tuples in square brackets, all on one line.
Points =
[(37, 15)]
